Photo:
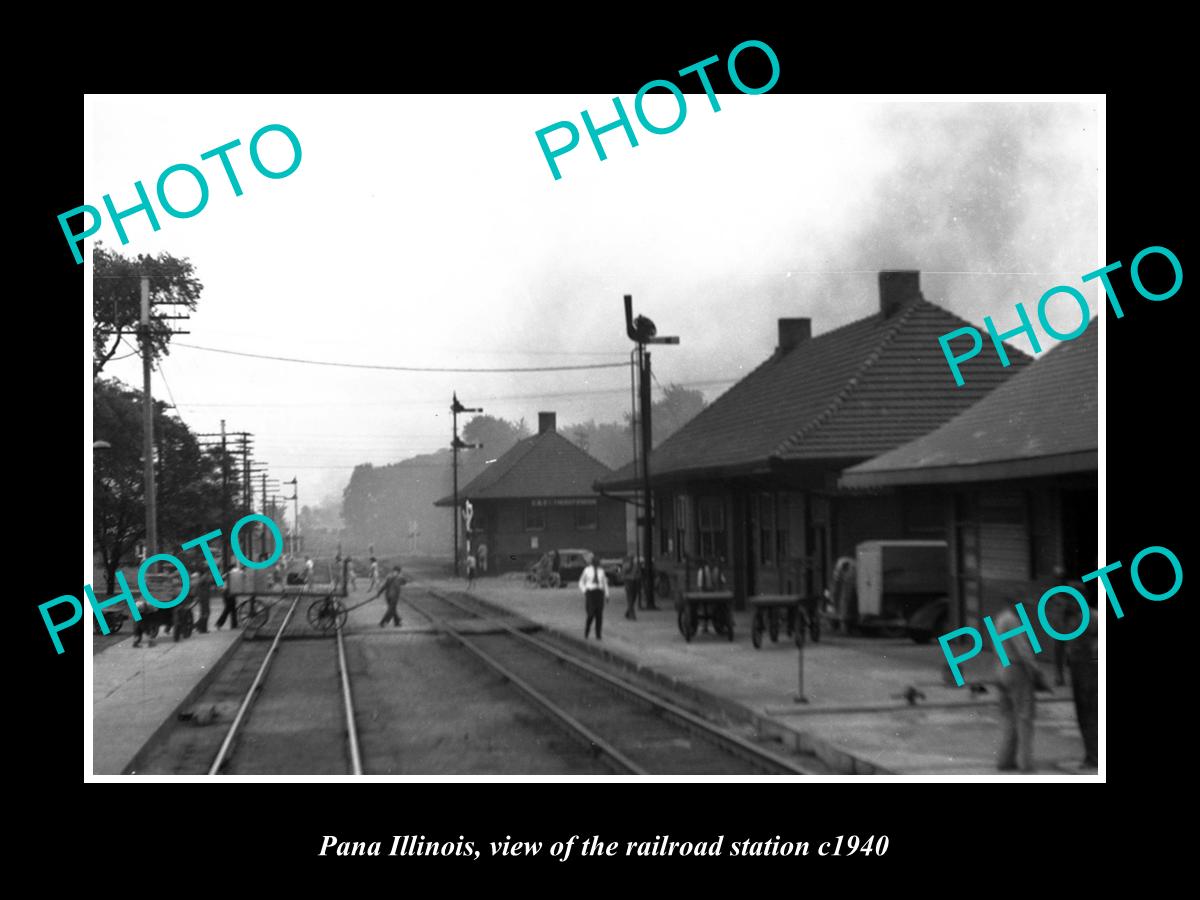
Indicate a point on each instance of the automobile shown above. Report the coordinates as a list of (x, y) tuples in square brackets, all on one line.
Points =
[(613, 566), (571, 564)]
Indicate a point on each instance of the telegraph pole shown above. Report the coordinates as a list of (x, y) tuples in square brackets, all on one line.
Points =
[(455, 446), (148, 426), (295, 511), (642, 331)]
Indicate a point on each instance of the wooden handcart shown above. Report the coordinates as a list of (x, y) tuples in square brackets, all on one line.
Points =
[(791, 613), (709, 607)]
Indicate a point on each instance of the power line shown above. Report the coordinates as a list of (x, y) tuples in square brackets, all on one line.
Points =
[(345, 365), (710, 382)]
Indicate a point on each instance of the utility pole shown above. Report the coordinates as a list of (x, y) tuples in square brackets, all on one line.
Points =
[(224, 503), (148, 425), (455, 446), (295, 512), (642, 331)]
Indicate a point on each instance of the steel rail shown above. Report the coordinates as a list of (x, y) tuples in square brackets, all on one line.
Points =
[(598, 745), (348, 702), (223, 753), (735, 743)]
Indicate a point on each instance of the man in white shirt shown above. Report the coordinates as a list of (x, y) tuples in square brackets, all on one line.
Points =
[(593, 584)]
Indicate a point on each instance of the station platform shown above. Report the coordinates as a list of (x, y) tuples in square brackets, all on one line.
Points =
[(858, 718), (136, 690)]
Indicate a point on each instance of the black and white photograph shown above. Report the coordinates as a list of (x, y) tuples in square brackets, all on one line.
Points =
[(528, 436)]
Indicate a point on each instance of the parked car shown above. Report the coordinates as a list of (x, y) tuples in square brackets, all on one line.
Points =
[(571, 564), (612, 566)]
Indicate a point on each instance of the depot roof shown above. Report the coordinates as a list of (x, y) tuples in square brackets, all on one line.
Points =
[(846, 395), (1043, 421), (545, 465)]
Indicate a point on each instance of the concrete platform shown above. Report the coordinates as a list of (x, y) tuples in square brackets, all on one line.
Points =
[(856, 720), (137, 690)]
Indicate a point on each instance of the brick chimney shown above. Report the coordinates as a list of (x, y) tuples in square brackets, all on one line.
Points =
[(897, 287), (792, 333), (547, 421)]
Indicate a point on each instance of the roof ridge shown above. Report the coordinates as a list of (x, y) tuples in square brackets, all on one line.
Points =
[(852, 382), (575, 446)]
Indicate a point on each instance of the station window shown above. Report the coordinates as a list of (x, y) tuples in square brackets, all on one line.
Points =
[(681, 519), (586, 517), (664, 524), (535, 517), (766, 527), (711, 522)]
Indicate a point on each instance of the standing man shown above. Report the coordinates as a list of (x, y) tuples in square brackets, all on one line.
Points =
[(374, 574), (1016, 683), (1083, 658), (631, 575), (308, 570), (350, 579), (470, 570), (391, 587), (593, 584), (233, 583)]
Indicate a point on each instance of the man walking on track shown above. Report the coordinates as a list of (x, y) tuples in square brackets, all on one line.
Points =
[(391, 587), (593, 584)]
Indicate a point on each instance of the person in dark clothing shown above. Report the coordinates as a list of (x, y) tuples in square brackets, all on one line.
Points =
[(593, 584), (631, 575), (1083, 659), (391, 589), (204, 586)]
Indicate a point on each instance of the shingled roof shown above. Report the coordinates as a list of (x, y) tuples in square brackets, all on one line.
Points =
[(545, 465), (849, 394), (1043, 421)]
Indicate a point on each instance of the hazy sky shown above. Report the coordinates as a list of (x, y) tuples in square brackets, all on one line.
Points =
[(428, 231)]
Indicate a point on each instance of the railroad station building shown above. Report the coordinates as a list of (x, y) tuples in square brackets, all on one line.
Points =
[(1016, 479), (753, 479), (538, 497)]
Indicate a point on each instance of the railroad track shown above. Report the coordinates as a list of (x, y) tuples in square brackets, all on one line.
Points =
[(630, 729), (226, 752), (291, 719)]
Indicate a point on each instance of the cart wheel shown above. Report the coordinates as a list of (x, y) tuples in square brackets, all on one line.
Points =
[(326, 614), (756, 629), (254, 613), (773, 625)]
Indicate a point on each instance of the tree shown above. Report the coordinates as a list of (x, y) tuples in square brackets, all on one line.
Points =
[(117, 299), (497, 435), (678, 406), (189, 484)]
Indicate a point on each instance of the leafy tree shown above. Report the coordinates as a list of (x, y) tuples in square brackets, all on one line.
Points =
[(678, 406), (497, 435), (117, 299), (188, 480)]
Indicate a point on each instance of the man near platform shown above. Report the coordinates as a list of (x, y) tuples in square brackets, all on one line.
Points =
[(593, 584), (1016, 683), (391, 588)]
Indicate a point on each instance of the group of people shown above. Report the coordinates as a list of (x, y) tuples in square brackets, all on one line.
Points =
[(240, 582)]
